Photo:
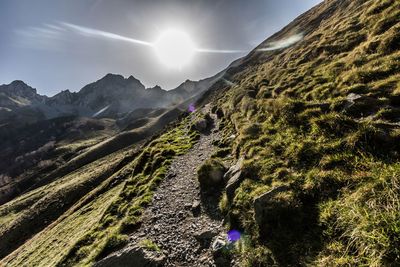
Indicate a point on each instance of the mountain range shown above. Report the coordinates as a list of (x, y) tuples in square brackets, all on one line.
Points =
[(32, 125), (289, 157), (112, 96)]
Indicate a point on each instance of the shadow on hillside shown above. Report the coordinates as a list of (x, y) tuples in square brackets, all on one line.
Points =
[(292, 233), (210, 200)]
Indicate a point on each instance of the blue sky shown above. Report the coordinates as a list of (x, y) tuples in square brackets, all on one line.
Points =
[(38, 47)]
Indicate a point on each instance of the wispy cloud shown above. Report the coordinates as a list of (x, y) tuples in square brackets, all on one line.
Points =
[(40, 32), (218, 51), (101, 34), (284, 43), (41, 38), (59, 29), (45, 37)]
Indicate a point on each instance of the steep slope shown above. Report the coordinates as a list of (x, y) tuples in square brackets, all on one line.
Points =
[(110, 97), (30, 152), (18, 95), (37, 150), (311, 131), (317, 125)]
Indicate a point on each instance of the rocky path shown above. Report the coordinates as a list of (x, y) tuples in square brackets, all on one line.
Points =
[(181, 220), (177, 220)]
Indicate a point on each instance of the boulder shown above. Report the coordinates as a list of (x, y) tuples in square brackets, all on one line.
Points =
[(233, 183), (196, 208), (233, 178), (361, 106), (200, 125), (261, 202), (132, 256), (210, 174), (218, 243), (233, 169), (205, 237), (220, 250)]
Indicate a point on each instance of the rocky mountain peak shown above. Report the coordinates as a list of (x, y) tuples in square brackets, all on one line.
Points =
[(18, 88), (112, 77), (63, 97), (133, 79), (156, 88)]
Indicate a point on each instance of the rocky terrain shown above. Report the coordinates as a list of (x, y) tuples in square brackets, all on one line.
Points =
[(112, 97), (37, 129), (178, 222), (290, 159)]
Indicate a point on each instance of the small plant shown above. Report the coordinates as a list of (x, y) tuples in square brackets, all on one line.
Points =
[(210, 174), (150, 245), (115, 241)]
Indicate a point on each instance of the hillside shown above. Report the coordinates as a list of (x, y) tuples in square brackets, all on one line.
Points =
[(292, 158), (45, 136), (109, 97)]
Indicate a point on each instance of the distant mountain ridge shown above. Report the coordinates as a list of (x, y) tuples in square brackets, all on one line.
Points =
[(111, 96), (36, 130)]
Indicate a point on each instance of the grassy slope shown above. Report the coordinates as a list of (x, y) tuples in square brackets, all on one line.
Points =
[(62, 235), (98, 219), (295, 126), (33, 211), (123, 214)]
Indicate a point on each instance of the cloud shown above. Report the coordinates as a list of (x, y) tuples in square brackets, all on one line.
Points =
[(45, 37), (205, 50), (38, 32), (41, 38), (89, 32), (284, 43), (44, 34)]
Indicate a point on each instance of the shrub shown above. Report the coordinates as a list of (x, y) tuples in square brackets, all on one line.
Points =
[(210, 174), (150, 245)]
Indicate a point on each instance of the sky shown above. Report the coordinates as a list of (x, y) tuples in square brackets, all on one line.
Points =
[(66, 44)]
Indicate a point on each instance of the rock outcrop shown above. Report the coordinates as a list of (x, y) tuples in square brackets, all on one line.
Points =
[(233, 177), (133, 256), (261, 203)]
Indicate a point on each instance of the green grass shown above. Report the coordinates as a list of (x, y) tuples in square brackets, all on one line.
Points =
[(124, 212), (368, 220), (341, 166), (149, 245), (32, 212), (99, 221), (52, 244), (288, 115)]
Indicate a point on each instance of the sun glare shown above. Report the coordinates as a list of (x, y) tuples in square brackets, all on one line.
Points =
[(175, 49)]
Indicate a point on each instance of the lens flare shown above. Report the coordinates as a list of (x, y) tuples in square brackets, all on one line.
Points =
[(191, 108), (233, 235)]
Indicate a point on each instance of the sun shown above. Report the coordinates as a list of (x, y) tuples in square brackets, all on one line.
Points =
[(175, 49)]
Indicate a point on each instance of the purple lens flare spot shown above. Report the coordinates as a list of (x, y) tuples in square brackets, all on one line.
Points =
[(191, 108), (233, 235)]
